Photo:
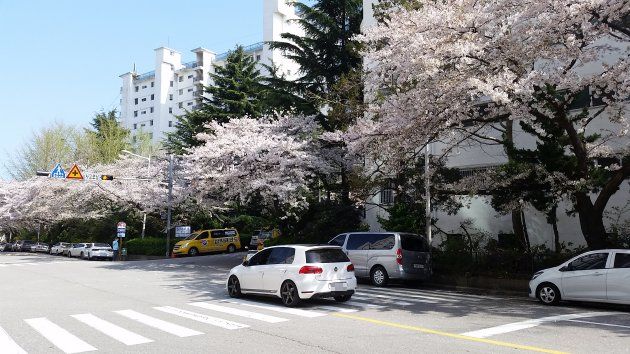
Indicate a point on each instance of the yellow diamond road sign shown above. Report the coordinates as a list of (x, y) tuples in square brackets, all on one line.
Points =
[(75, 173)]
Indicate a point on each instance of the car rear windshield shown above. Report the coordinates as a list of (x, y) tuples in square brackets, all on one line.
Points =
[(101, 245), (414, 243), (326, 255)]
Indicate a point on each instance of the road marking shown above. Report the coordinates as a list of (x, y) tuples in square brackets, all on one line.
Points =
[(297, 312), (3, 265), (363, 305), (336, 309), (202, 318), (600, 324), (167, 327), (405, 295), (118, 333), (8, 345), (391, 301), (238, 312), (62, 339), (517, 326), (450, 335), (394, 298), (456, 295)]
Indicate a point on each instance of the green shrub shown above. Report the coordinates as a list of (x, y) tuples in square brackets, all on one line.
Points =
[(148, 246)]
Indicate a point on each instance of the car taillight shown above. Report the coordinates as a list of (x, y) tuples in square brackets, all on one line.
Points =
[(311, 270), (350, 268), (399, 256)]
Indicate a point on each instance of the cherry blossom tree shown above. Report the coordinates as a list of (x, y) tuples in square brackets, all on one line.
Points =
[(452, 71)]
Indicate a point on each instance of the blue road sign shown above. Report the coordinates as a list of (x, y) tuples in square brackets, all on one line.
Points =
[(58, 172)]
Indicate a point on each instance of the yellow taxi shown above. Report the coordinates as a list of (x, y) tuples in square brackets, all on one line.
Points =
[(205, 241)]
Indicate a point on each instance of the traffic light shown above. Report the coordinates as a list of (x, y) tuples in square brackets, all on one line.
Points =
[(107, 178)]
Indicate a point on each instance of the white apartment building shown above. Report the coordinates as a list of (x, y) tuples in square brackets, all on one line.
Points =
[(471, 159), (151, 100)]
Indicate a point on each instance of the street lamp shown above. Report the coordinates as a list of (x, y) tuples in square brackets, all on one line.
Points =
[(144, 215)]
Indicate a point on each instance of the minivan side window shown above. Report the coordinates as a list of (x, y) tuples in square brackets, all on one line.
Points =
[(588, 262), (415, 243), (358, 242), (382, 241), (338, 241), (622, 260)]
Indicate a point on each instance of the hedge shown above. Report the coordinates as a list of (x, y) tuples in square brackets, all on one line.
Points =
[(148, 246)]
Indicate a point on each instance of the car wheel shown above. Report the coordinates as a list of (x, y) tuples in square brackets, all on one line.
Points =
[(193, 252), (231, 248), (289, 294), (342, 298), (548, 294), (234, 287), (379, 276)]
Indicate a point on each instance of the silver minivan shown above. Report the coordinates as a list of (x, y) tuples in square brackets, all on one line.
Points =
[(382, 256)]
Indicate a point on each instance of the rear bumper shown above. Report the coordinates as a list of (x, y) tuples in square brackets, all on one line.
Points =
[(324, 288), (332, 294)]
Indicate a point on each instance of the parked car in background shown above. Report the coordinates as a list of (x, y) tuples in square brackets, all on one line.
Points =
[(57, 248), (26, 246), (4, 247), (295, 273), (17, 246), (262, 235), (219, 240), (33, 246), (382, 256), (98, 251), (42, 247), (65, 249), (77, 250), (598, 276)]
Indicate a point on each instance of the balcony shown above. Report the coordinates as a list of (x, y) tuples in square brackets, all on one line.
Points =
[(191, 65), (145, 76), (256, 47)]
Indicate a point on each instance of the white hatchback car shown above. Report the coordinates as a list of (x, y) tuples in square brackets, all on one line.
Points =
[(599, 276), (295, 273), (77, 250)]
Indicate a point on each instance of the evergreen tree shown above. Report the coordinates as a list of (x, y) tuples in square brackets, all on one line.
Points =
[(107, 138), (236, 91)]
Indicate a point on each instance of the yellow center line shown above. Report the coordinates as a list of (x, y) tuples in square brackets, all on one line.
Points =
[(451, 335)]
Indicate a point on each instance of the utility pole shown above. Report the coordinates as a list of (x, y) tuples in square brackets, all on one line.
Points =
[(169, 206), (427, 193)]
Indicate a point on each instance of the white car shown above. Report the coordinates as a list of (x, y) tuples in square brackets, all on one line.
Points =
[(98, 251), (295, 273), (77, 250), (599, 276), (57, 248)]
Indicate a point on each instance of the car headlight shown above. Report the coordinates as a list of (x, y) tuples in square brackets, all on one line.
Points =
[(537, 274)]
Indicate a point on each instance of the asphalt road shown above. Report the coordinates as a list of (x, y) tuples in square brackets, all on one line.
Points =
[(54, 305)]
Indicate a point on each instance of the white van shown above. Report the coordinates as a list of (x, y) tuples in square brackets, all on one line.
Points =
[(382, 256)]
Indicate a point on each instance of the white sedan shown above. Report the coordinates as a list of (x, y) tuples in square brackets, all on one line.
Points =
[(599, 276), (98, 251), (77, 250), (295, 273)]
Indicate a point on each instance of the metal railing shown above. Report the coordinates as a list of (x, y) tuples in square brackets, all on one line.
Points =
[(191, 64), (145, 76), (247, 49)]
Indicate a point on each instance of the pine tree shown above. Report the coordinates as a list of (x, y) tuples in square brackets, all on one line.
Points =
[(236, 91)]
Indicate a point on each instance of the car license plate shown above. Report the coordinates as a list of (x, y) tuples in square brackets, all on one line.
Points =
[(418, 266), (340, 286)]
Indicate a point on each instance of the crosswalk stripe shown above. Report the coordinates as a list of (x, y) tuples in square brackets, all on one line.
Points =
[(456, 295), (118, 333), (390, 301), (3, 265), (62, 339), (297, 312), (336, 309), (394, 298), (8, 345), (202, 318), (239, 312), (363, 305), (414, 296), (164, 326)]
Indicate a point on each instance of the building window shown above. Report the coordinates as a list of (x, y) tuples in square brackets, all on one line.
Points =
[(181, 78), (171, 83), (143, 112), (151, 122), (142, 125), (189, 103), (387, 194), (151, 109), (170, 110), (152, 97), (258, 57), (170, 123), (181, 105), (190, 76), (137, 88), (144, 99), (135, 139), (135, 113), (190, 90), (144, 86), (151, 135), (135, 126), (136, 101), (152, 84), (181, 91), (170, 97)]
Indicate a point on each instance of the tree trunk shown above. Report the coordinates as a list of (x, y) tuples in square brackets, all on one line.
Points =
[(553, 220), (517, 227), (591, 222)]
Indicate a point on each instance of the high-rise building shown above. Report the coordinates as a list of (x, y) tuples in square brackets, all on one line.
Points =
[(151, 100)]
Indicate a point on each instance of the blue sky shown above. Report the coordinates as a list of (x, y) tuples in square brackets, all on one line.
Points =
[(60, 60)]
